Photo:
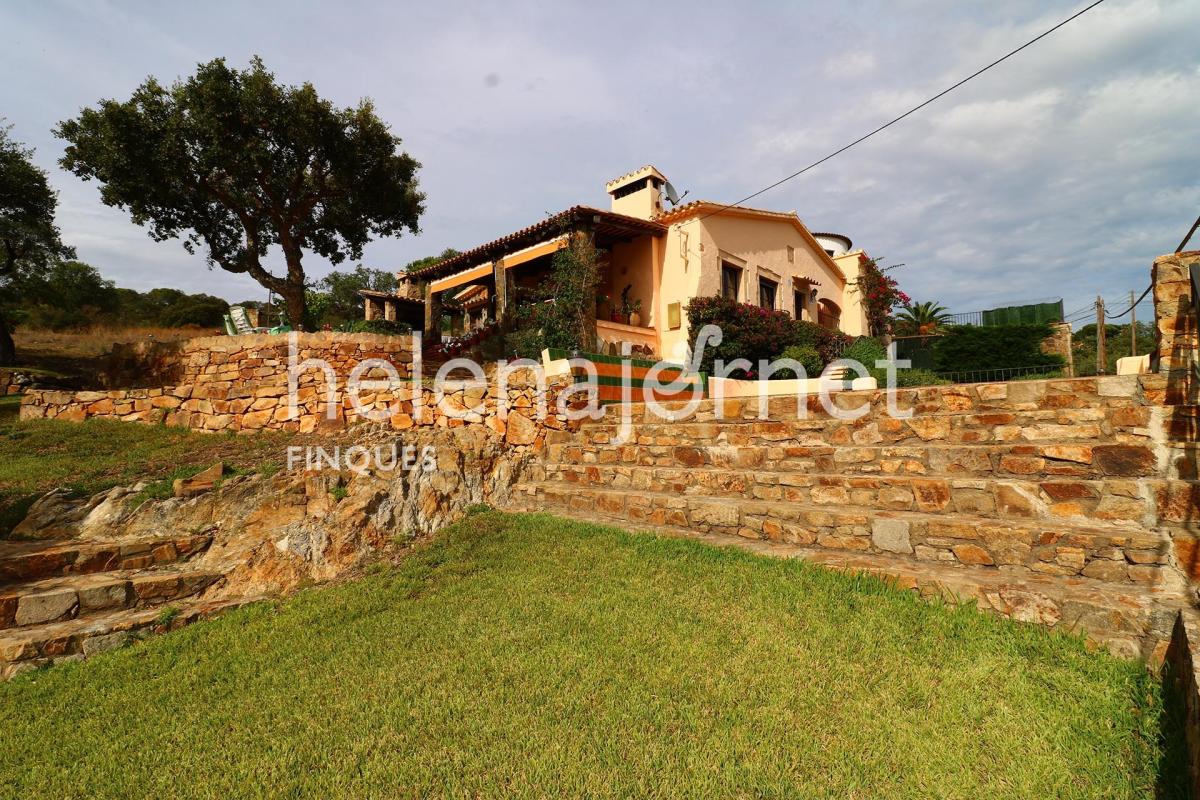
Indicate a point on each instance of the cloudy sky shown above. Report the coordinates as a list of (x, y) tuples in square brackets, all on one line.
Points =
[(1062, 172)]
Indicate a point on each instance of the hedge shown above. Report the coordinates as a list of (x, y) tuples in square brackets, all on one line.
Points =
[(969, 348)]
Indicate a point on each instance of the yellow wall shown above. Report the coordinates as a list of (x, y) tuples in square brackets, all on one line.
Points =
[(758, 246), (631, 263), (854, 315)]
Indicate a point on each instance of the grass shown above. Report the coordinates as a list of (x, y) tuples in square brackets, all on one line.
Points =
[(531, 656), (39, 455)]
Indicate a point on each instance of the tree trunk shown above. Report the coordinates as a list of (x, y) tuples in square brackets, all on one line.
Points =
[(8, 350), (294, 297)]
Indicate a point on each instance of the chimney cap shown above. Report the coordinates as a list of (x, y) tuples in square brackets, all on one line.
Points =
[(648, 171)]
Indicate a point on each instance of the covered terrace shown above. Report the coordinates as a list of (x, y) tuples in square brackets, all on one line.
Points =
[(501, 271)]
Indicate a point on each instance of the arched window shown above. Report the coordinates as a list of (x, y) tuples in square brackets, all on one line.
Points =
[(828, 314)]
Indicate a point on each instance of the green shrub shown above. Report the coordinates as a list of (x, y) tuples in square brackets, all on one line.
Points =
[(807, 357), (908, 378), (865, 351), (384, 326), (970, 348), (826, 342), (558, 313), (525, 343)]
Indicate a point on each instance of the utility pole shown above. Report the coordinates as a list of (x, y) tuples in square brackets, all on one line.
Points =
[(1101, 345), (1132, 327)]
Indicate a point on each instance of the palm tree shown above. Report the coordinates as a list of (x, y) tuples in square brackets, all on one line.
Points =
[(922, 319)]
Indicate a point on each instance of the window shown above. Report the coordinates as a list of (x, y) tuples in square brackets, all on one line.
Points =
[(798, 298), (767, 289), (829, 315), (731, 280), (791, 254)]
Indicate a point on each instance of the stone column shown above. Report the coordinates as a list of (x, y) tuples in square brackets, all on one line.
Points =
[(503, 288), (1059, 343), (585, 234), (433, 315), (1174, 314)]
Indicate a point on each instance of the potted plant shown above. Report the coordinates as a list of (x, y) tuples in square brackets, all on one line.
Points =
[(635, 313), (630, 308), (614, 313)]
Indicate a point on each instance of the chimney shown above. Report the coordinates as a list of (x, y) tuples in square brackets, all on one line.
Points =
[(637, 194), (406, 286)]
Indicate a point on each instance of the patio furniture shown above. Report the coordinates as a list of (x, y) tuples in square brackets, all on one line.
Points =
[(241, 322)]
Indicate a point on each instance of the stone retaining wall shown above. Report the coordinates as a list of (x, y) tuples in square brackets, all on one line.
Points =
[(1077, 477), (145, 363), (241, 383)]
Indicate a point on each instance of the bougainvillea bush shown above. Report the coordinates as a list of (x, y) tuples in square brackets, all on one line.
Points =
[(756, 333), (880, 294), (747, 331)]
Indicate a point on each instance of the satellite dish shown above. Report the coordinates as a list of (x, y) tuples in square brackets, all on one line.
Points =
[(673, 197)]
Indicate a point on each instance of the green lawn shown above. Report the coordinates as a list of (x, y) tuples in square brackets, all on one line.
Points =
[(39, 455), (530, 656)]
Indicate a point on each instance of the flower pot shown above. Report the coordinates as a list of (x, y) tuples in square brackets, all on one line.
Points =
[(635, 319), (614, 316)]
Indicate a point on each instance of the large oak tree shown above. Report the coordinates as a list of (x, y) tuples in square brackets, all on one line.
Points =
[(29, 239), (236, 164)]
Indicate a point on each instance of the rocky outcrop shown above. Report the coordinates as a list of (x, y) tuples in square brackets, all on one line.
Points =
[(249, 537), (303, 524)]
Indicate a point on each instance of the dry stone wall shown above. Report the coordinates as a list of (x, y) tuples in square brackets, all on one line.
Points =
[(146, 363), (241, 383)]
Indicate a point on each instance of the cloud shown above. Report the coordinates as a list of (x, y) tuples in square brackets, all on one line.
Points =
[(853, 64), (1064, 170), (1064, 173)]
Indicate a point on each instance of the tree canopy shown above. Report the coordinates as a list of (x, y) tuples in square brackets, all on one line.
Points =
[(421, 263), (72, 294), (921, 319), (237, 164), (29, 237), (335, 299)]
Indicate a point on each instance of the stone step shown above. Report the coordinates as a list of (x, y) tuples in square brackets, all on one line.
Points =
[(1091, 424), (928, 459), (1117, 502), (1116, 556), (1130, 620), (76, 596), (23, 561), (1133, 425), (23, 649), (1018, 396)]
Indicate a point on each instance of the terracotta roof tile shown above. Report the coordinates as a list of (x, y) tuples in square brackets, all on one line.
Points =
[(571, 215)]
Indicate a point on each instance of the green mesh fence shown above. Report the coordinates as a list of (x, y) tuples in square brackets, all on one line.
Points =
[(1020, 315)]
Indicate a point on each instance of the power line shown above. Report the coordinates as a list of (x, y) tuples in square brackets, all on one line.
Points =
[(1191, 230), (1135, 303), (911, 111)]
